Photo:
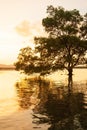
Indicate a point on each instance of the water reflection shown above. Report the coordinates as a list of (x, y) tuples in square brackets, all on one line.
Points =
[(61, 107)]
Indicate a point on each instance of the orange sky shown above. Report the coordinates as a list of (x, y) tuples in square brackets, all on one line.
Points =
[(27, 14)]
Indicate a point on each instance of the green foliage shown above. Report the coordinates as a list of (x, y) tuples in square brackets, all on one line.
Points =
[(64, 48)]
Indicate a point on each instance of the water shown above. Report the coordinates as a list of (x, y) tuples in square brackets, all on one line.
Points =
[(43, 104)]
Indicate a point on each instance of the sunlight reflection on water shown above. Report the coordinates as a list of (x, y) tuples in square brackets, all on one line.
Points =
[(8, 96), (16, 103), (8, 102), (78, 75)]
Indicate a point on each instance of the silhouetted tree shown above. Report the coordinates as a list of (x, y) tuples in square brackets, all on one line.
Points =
[(63, 48), (66, 44), (30, 62)]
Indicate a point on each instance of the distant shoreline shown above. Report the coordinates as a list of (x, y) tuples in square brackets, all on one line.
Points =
[(80, 67), (7, 67), (12, 67)]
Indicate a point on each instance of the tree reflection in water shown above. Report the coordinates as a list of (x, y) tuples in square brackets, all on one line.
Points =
[(53, 104)]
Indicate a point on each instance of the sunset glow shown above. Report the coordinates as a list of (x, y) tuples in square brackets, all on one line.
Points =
[(21, 21), (43, 85)]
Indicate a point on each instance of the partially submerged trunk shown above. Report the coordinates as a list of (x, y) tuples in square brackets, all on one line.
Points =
[(70, 73)]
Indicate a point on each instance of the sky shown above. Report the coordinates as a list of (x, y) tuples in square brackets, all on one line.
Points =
[(20, 21)]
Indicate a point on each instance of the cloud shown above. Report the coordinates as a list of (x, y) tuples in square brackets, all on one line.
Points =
[(24, 29), (29, 30)]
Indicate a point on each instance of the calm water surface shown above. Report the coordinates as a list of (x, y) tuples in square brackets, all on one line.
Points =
[(43, 103)]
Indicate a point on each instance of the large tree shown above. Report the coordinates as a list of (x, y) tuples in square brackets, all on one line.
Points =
[(64, 47), (66, 44)]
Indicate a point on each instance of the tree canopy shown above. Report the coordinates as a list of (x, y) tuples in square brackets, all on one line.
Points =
[(64, 47)]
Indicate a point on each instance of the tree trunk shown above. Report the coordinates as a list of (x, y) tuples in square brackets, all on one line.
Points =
[(70, 73)]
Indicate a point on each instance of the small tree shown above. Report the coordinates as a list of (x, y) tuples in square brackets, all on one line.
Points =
[(63, 48), (30, 62)]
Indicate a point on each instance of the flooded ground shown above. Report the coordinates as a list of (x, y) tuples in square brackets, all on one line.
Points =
[(43, 104)]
